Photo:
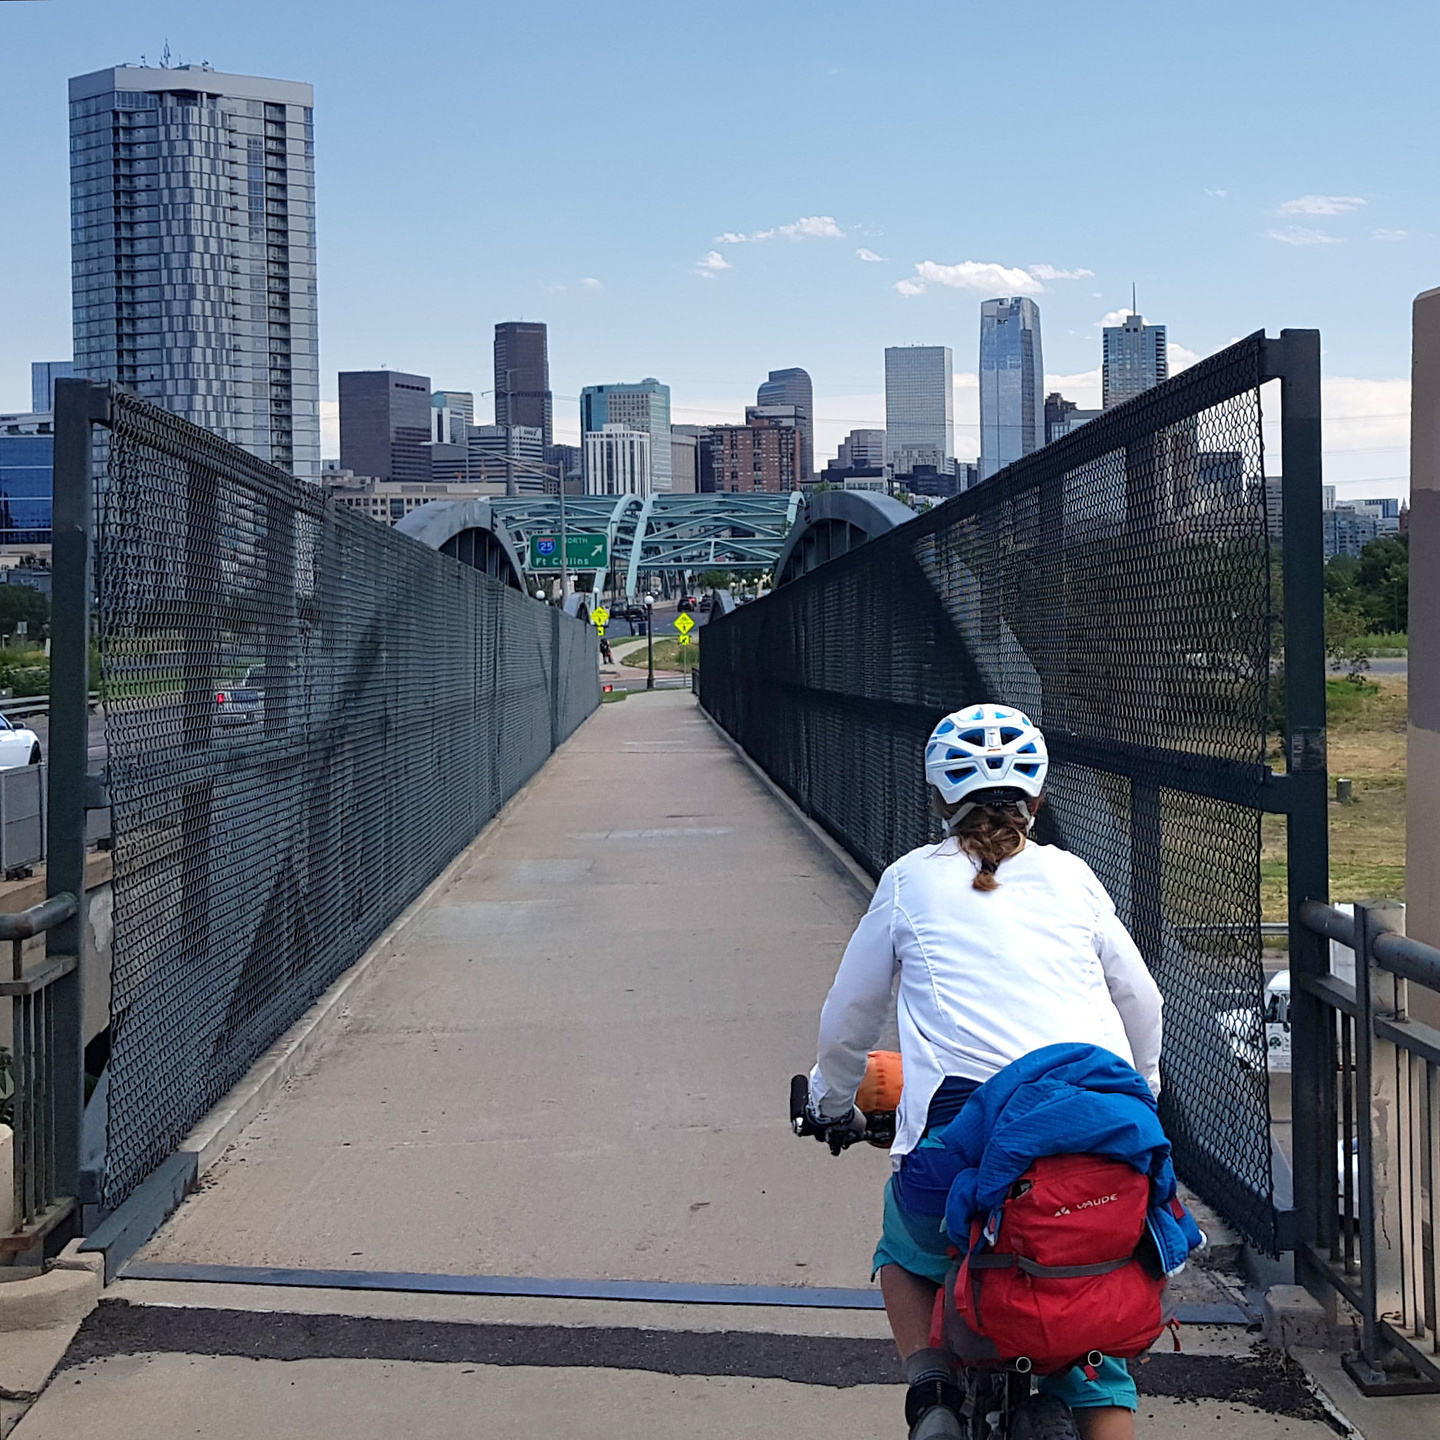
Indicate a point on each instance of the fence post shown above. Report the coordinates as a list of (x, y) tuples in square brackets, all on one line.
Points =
[(79, 404), (1295, 362), (554, 678), (1370, 1347)]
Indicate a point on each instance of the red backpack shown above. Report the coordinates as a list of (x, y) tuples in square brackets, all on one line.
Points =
[(1059, 1276)]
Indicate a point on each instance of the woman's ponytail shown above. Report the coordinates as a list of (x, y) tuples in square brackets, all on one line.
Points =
[(989, 835)]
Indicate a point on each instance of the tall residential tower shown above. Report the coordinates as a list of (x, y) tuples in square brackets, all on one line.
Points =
[(192, 203), (1012, 382), (1135, 359)]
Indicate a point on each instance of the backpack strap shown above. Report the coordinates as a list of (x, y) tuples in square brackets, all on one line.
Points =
[(1047, 1272)]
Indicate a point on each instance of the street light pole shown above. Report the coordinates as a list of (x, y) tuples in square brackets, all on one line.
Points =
[(650, 641)]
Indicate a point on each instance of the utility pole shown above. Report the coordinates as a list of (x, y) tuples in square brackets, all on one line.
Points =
[(650, 641)]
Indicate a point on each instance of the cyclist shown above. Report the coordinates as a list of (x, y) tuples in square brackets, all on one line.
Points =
[(1001, 946)]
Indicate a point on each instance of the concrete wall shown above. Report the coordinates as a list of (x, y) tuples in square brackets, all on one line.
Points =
[(1422, 876)]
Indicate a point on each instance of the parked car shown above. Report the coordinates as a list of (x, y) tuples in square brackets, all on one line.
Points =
[(1274, 1057), (18, 746), (240, 706)]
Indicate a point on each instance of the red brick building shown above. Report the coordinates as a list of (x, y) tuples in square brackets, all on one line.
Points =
[(761, 456)]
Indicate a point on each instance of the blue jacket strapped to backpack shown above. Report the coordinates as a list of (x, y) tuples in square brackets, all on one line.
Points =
[(1062, 1100)]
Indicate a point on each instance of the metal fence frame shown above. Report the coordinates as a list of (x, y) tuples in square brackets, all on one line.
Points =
[(565, 657), (1292, 359)]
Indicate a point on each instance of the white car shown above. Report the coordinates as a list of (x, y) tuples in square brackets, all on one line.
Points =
[(18, 746), (1236, 1026)]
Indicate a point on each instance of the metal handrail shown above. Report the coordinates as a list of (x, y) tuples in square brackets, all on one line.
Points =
[(38, 1208), (24, 924), (1387, 1109)]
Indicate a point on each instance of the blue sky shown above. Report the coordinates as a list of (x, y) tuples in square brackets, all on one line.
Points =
[(1245, 164)]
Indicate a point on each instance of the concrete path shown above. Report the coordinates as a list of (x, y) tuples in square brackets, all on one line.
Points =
[(575, 1067)]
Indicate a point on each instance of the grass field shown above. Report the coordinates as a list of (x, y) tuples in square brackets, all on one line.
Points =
[(669, 654), (1367, 837)]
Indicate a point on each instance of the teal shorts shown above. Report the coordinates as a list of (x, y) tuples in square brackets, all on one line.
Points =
[(919, 1244)]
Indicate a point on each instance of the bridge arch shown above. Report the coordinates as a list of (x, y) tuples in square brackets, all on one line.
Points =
[(832, 523), (467, 531)]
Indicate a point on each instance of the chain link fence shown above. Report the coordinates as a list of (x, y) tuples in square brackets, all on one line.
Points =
[(1115, 585), (307, 716)]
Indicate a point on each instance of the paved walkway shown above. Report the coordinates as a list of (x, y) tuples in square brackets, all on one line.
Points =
[(576, 1067)]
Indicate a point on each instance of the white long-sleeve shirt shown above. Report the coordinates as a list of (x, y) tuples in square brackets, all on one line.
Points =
[(985, 977)]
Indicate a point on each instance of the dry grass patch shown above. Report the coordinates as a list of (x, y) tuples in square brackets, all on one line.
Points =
[(1367, 837)]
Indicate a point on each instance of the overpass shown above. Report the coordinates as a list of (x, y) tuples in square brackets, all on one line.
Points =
[(449, 1013), (673, 537)]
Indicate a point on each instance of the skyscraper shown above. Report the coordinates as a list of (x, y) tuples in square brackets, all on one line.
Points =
[(642, 406), (920, 404), (793, 387), (1012, 382), (385, 424), (1135, 359), (192, 201), (522, 377), (43, 375)]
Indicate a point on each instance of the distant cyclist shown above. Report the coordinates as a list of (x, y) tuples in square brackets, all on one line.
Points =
[(1002, 946)]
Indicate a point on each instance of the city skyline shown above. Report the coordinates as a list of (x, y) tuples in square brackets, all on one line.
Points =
[(709, 289)]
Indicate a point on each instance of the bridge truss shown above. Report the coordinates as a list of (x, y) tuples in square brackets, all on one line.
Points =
[(673, 536)]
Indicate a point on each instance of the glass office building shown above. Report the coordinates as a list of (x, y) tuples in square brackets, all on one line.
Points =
[(192, 201), (1012, 382), (27, 459), (920, 400), (641, 406)]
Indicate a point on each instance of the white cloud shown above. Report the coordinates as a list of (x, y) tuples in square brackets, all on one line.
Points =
[(591, 283), (1302, 235), (1085, 388), (330, 428), (982, 275), (1322, 205), (807, 227), (813, 227), (1178, 357), (1049, 272), (1216, 194), (712, 264), (870, 255), (1114, 317), (1389, 234)]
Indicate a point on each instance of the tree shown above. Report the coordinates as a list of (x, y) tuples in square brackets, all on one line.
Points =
[(715, 580), (23, 602), (1383, 580)]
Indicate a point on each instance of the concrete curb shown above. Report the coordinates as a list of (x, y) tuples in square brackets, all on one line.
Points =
[(844, 861), (43, 1300)]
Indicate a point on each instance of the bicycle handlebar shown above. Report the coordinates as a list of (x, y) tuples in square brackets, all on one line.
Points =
[(840, 1135)]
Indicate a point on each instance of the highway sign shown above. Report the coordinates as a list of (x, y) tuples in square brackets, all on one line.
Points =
[(583, 551), (601, 616), (684, 624)]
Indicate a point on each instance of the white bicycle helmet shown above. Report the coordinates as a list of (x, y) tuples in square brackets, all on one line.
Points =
[(986, 755)]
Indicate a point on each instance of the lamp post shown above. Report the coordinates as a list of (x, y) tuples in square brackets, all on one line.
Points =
[(650, 641)]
